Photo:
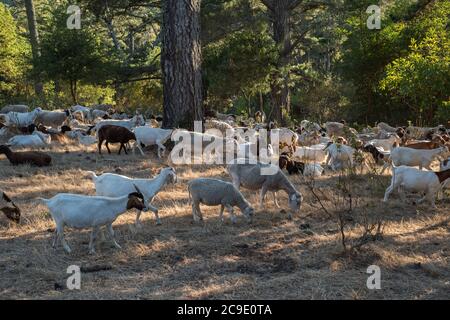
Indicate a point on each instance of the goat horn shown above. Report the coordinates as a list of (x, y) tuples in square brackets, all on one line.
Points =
[(137, 189)]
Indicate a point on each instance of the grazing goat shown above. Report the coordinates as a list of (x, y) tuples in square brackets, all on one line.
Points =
[(251, 176), (403, 156), (114, 134), (80, 211), (214, 192), (415, 180), (339, 155), (9, 208), (36, 158), (148, 136), (114, 185)]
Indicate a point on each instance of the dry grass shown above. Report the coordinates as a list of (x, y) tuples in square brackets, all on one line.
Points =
[(271, 259)]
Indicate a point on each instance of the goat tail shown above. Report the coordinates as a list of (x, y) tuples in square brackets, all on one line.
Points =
[(92, 175)]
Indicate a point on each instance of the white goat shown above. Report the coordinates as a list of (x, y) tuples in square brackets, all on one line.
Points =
[(80, 211), (137, 120), (114, 185), (339, 154), (214, 192), (52, 119), (415, 180), (148, 136), (315, 153), (404, 156), (37, 140), (287, 138), (19, 119), (386, 144)]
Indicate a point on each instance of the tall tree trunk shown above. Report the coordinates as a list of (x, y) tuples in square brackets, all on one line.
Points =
[(34, 40), (181, 63), (280, 14)]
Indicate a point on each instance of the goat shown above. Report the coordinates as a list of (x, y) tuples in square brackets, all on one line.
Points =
[(114, 185), (218, 125), (404, 156), (19, 119), (80, 211), (386, 127), (339, 154), (137, 120), (376, 153), (415, 180), (315, 153), (287, 138), (295, 167), (58, 136), (9, 208), (114, 134), (148, 136), (36, 158), (52, 119), (37, 140), (14, 108), (292, 167), (334, 128), (386, 144), (213, 192), (250, 176), (435, 143)]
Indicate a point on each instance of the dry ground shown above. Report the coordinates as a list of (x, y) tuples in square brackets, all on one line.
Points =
[(271, 259)]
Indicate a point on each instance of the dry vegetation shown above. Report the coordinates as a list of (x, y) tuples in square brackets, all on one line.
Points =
[(271, 259)]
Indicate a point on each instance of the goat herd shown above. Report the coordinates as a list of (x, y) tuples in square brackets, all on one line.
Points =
[(308, 149)]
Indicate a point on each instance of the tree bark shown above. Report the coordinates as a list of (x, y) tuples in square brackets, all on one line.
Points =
[(280, 14), (34, 39), (181, 63)]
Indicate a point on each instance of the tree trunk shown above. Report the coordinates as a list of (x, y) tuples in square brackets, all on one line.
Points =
[(181, 63), (73, 91), (280, 11), (34, 40)]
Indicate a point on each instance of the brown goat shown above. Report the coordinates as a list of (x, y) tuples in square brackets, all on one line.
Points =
[(434, 144), (114, 134), (36, 158)]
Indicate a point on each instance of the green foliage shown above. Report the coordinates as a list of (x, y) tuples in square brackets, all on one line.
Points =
[(13, 55), (71, 55), (421, 79), (238, 65), (401, 70)]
